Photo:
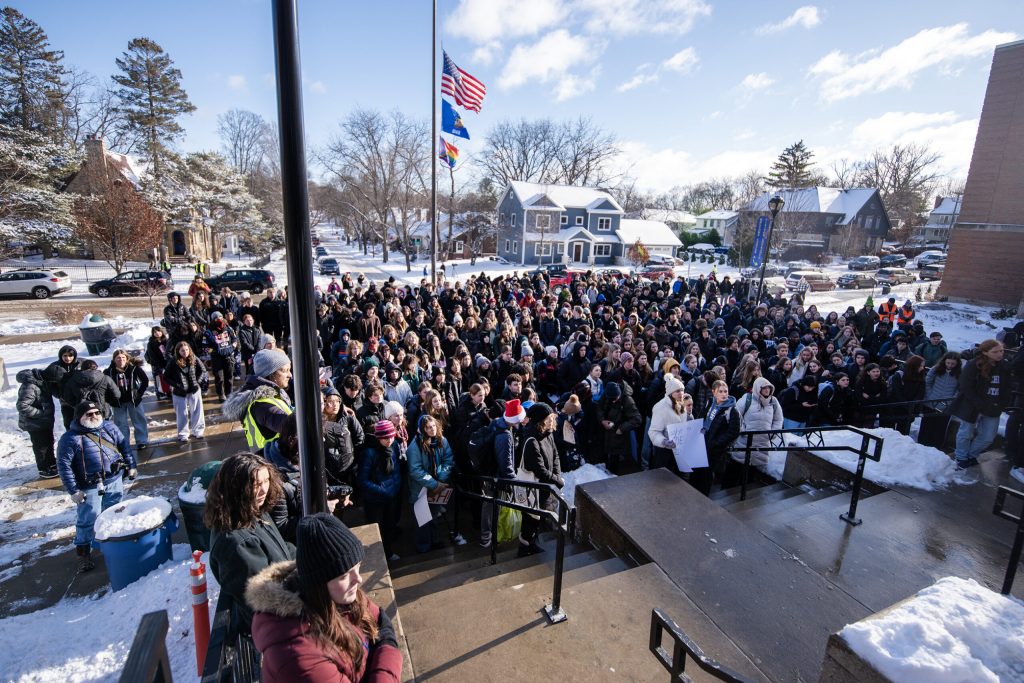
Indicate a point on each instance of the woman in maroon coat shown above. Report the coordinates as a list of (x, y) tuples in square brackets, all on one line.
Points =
[(313, 622)]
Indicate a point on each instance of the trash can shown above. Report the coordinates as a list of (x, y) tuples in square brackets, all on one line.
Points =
[(96, 333), (135, 537), (886, 288), (192, 501)]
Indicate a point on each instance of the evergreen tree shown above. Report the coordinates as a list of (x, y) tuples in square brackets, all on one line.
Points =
[(30, 75), (793, 168), (151, 97)]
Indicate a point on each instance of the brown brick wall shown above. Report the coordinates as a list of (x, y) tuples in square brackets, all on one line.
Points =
[(985, 266)]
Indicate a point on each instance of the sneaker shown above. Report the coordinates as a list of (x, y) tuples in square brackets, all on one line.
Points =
[(182, 439), (394, 557), (199, 437), (141, 446), (1018, 474), (457, 539), (528, 549), (50, 473), (964, 464), (85, 563)]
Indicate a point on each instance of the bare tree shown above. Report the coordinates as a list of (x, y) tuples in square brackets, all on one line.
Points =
[(118, 224), (844, 174), (906, 177), (243, 137), (584, 154), (747, 188)]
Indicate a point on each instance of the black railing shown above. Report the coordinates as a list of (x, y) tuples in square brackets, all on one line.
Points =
[(230, 657), (147, 659), (564, 521), (870, 447), (683, 647), (999, 510)]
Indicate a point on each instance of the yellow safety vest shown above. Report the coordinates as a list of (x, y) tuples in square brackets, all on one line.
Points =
[(253, 436)]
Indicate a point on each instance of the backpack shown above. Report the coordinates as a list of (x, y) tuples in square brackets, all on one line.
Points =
[(822, 386), (224, 346), (480, 450)]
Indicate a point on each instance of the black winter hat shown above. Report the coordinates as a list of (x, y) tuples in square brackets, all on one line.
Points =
[(324, 549), (84, 407), (539, 412)]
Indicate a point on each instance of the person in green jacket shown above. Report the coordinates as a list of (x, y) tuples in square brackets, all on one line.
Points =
[(244, 539)]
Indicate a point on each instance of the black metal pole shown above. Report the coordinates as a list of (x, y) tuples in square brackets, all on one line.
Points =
[(554, 611), (494, 521), (301, 308), (746, 467), (850, 517), (1011, 569), (433, 146)]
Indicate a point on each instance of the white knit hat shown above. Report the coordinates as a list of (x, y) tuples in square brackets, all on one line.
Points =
[(672, 385)]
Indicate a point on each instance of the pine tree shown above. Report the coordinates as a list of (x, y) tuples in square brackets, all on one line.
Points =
[(793, 168), (30, 75), (151, 96)]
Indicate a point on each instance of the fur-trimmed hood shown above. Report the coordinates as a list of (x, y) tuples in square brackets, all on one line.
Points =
[(270, 591), (254, 388)]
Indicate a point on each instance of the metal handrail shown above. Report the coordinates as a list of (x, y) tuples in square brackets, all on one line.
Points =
[(999, 510), (683, 646), (864, 452), (564, 521)]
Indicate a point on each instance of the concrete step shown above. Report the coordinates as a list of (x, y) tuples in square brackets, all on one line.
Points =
[(766, 496), (722, 494), (836, 503), (731, 496), (443, 557), (796, 503), (489, 595), (604, 638), (412, 586)]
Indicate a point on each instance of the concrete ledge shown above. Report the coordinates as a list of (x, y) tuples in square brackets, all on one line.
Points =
[(805, 467), (843, 665)]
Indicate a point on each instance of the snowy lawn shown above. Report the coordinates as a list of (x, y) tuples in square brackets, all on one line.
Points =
[(904, 461), (582, 475), (87, 639), (955, 631)]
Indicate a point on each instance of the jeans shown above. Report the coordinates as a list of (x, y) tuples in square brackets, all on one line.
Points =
[(87, 509), (188, 412), (792, 424), (137, 415), (974, 439), (647, 447)]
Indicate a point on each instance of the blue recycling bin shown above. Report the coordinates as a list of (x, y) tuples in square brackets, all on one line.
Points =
[(129, 558)]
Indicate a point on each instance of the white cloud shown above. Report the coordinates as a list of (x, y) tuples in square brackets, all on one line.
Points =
[(626, 17), (844, 75), (485, 54), (485, 21), (753, 82), (643, 75), (318, 87), (661, 169), (684, 61), (807, 16), (237, 82), (550, 60)]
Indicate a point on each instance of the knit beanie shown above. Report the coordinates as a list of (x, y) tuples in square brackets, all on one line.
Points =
[(672, 385), (84, 407), (392, 408), (384, 429), (625, 357), (268, 361), (572, 405), (324, 549)]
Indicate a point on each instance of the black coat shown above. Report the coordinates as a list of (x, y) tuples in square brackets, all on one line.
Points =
[(132, 383), (540, 457), (978, 395), (720, 435), (35, 403), (91, 384), (185, 380), (341, 439)]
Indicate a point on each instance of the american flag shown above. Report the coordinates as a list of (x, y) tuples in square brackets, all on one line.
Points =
[(466, 90)]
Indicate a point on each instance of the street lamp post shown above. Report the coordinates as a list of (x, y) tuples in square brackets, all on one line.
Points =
[(774, 205)]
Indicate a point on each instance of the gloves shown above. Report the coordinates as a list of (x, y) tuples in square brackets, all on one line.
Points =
[(132, 473), (386, 632), (78, 497), (561, 482)]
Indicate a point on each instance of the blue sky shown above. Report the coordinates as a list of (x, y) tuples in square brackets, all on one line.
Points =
[(692, 88)]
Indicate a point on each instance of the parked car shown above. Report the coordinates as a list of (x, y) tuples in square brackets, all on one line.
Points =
[(722, 250), (932, 271), (315, 240), (817, 281), (856, 281), (893, 261), (930, 256), (794, 266), (664, 260), (893, 276), (865, 263), (242, 280), (321, 251), (770, 270), (133, 283), (40, 283), (329, 266), (653, 272)]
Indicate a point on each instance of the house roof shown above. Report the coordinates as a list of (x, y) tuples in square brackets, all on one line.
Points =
[(651, 233), (819, 200), (562, 196), (949, 206), (670, 216), (719, 214)]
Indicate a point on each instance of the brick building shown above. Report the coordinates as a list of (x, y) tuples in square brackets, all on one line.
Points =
[(986, 246)]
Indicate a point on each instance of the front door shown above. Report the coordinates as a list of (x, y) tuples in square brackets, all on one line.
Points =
[(577, 252)]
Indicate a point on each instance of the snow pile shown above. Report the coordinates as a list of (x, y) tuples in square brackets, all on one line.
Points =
[(955, 631), (904, 461), (87, 639), (132, 516), (195, 495), (582, 475)]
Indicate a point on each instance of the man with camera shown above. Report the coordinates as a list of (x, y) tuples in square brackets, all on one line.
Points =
[(93, 457)]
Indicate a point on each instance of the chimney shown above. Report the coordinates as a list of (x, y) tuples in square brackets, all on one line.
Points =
[(938, 201), (95, 164)]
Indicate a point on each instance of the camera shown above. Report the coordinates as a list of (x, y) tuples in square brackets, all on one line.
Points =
[(339, 492)]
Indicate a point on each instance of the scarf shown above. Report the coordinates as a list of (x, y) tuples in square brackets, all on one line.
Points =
[(715, 409)]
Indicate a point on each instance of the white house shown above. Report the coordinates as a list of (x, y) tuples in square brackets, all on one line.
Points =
[(941, 220), (722, 221), (657, 237)]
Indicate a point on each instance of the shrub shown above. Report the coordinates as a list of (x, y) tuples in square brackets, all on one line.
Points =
[(70, 315)]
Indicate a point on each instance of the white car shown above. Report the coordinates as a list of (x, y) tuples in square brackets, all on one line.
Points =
[(930, 256), (39, 283)]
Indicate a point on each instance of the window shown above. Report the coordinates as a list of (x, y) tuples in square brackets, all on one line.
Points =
[(515, 247), (603, 249), (542, 249), (564, 220), (459, 247), (543, 220), (561, 248), (579, 220), (501, 219), (513, 220), (604, 224), (508, 246)]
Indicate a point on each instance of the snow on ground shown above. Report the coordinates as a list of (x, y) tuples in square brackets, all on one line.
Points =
[(904, 462), (22, 326), (955, 631), (582, 475), (87, 639)]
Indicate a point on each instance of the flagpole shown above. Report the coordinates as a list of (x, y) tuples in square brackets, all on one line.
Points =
[(433, 144)]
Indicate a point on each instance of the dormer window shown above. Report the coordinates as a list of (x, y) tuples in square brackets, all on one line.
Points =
[(604, 224)]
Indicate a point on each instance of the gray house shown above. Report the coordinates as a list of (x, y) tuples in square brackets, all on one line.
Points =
[(540, 224)]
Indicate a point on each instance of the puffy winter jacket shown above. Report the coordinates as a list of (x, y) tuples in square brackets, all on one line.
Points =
[(262, 399), (132, 383), (92, 385), (377, 484), (35, 403), (425, 472), (758, 414), (341, 439), (186, 380), (540, 457), (661, 417), (982, 396), (938, 386), (85, 454), (57, 371)]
